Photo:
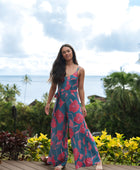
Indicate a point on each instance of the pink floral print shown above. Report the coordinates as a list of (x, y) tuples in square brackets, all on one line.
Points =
[(67, 113)]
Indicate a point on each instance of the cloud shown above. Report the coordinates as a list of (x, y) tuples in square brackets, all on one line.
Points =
[(106, 25), (10, 32), (101, 32), (55, 23), (54, 20), (117, 41)]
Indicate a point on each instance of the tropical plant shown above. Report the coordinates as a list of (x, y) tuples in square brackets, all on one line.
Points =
[(122, 106), (8, 93), (94, 115), (26, 80), (12, 144)]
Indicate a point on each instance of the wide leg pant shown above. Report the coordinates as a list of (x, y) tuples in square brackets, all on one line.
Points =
[(67, 112)]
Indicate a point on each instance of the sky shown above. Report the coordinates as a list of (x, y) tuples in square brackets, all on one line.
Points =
[(104, 33)]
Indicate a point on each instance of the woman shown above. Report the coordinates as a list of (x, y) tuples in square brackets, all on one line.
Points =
[(68, 76)]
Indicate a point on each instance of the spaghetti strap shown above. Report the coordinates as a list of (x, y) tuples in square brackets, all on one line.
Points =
[(78, 68), (67, 114)]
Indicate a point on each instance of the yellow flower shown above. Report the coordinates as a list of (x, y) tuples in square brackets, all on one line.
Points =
[(132, 145), (116, 154), (96, 138), (119, 135), (104, 134), (42, 136), (108, 137), (99, 143), (126, 143), (126, 154), (137, 138)]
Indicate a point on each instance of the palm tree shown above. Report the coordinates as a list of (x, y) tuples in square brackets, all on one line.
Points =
[(45, 98), (119, 79), (26, 80), (8, 93), (123, 102), (15, 88)]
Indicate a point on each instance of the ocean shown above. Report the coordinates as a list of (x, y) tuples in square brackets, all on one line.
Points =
[(39, 85)]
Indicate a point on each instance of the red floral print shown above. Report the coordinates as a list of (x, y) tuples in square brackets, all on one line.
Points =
[(95, 148), (79, 144), (71, 132), (51, 142), (61, 156), (65, 143), (74, 141), (81, 156), (51, 159), (82, 128), (89, 146), (75, 74), (58, 143), (91, 137), (78, 118), (81, 138), (61, 102), (53, 123), (88, 162), (59, 116), (85, 151), (71, 123), (68, 86), (79, 164), (84, 140), (59, 134), (76, 153), (74, 106)]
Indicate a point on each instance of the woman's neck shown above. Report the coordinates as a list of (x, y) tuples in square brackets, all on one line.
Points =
[(69, 63)]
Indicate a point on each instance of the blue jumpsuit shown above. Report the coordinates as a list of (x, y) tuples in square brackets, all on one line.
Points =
[(67, 112)]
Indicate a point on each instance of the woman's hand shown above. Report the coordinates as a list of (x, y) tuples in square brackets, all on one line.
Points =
[(47, 107), (84, 111)]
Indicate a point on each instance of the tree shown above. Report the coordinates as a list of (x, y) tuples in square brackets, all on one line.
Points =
[(26, 80), (123, 104), (45, 98), (8, 93)]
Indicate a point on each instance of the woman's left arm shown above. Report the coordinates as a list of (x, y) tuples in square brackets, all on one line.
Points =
[(81, 90)]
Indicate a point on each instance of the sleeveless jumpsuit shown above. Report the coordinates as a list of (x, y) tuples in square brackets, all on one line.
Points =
[(67, 112)]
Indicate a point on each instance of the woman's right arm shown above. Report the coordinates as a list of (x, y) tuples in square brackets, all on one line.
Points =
[(51, 94)]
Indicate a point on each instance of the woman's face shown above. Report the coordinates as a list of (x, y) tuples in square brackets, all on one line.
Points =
[(67, 53)]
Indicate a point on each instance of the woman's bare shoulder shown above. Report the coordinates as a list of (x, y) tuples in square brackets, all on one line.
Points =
[(81, 70)]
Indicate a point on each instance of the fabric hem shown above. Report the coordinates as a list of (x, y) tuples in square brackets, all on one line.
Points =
[(89, 165)]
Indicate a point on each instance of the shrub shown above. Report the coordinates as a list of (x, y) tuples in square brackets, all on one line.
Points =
[(118, 150), (12, 144), (37, 146)]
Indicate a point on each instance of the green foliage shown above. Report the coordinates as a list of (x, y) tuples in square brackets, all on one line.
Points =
[(26, 80), (37, 146), (117, 149), (32, 118), (94, 115), (112, 149), (119, 113), (123, 104), (12, 144), (8, 93), (6, 120)]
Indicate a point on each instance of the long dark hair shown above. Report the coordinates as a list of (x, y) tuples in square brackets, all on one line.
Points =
[(58, 71)]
